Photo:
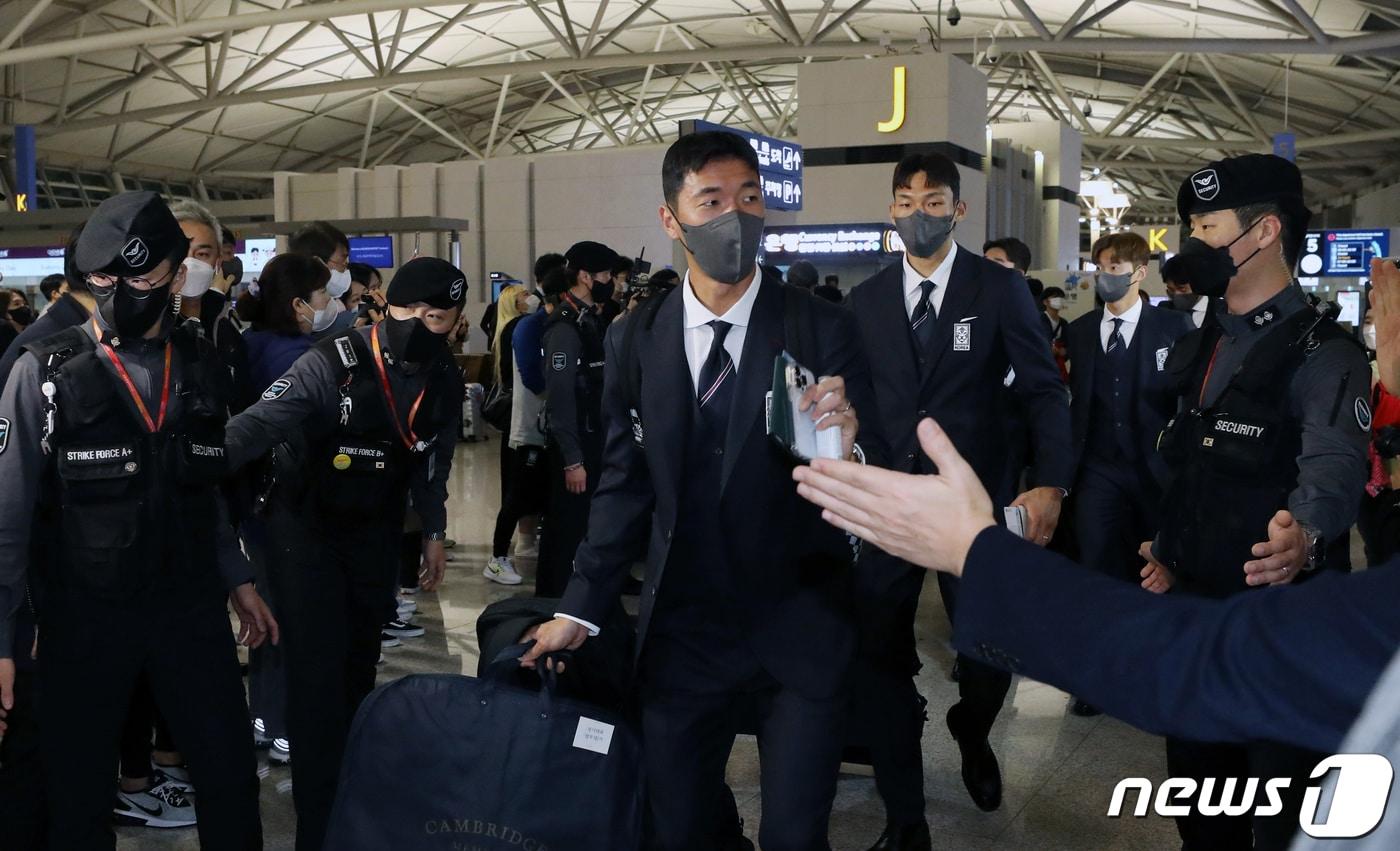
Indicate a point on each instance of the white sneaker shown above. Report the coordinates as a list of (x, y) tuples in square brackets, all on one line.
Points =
[(502, 570), (532, 550), (162, 805), (260, 737), (407, 607), (280, 753)]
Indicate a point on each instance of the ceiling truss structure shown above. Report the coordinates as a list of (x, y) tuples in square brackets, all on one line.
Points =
[(225, 92)]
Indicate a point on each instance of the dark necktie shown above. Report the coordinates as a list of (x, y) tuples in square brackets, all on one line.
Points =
[(716, 386), (1116, 344), (923, 317)]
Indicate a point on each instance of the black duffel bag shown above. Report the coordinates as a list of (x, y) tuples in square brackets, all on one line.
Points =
[(496, 409), (438, 761)]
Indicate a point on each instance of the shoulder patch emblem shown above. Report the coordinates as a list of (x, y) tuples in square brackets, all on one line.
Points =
[(4, 434), (346, 350), (276, 389), (558, 361), (1363, 417)]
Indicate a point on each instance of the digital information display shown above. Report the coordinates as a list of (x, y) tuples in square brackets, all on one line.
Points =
[(779, 164), (255, 253), (31, 262), (1342, 253), (376, 251), (784, 244)]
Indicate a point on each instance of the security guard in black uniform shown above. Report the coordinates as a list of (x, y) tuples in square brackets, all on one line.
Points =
[(1267, 452), (360, 423), (573, 374), (111, 451)]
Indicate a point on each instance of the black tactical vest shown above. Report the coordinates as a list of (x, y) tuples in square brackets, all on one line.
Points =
[(360, 470), (124, 509), (588, 376), (1234, 462)]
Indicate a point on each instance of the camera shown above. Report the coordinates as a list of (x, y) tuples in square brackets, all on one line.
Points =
[(1388, 442)]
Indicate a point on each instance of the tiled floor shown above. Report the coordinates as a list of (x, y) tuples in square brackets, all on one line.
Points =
[(1059, 770)]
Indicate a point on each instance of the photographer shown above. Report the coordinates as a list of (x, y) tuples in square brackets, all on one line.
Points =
[(1379, 518)]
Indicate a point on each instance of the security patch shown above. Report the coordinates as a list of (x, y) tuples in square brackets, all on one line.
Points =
[(276, 389), (4, 434), (1363, 417), (1206, 184), (135, 253), (559, 361)]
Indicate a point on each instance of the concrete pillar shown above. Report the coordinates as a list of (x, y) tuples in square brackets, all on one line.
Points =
[(1060, 157), (853, 133)]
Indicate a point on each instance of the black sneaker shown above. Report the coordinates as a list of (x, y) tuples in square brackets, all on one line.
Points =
[(402, 629)]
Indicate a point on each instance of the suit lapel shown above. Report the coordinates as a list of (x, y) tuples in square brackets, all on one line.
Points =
[(1146, 340), (963, 289), (1090, 355), (763, 340), (666, 376), (891, 313)]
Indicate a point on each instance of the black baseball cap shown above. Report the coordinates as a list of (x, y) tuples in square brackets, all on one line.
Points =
[(129, 234), (429, 280)]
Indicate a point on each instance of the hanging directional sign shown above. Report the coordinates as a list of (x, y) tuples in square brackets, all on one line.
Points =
[(779, 164)]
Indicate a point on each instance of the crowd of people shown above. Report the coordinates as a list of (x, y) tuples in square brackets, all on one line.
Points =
[(175, 445)]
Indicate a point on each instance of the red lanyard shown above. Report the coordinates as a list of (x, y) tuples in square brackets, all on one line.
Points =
[(1200, 403), (151, 425), (409, 439)]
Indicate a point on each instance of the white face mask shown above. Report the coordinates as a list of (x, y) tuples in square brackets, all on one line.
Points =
[(325, 317), (1368, 334), (339, 284), (1056, 303), (198, 276), (532, 303)]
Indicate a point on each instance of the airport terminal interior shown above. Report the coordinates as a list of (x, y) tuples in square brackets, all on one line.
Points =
[(1085, 144)]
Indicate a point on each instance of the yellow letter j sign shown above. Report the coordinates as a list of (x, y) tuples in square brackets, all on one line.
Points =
[(897, 110)]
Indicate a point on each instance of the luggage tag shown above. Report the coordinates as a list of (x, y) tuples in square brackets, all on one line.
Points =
[(593, 735)]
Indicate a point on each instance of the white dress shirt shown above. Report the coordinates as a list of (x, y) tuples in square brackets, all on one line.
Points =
[(699, 336), (1198, 313), (913, 283), (1130, 319)]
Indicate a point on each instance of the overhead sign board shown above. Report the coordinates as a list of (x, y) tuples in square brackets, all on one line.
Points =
[(779, 164), (1342, 253), (31, 262), (786, 243)]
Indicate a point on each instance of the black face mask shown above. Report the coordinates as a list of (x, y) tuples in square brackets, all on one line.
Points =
[(131, 312), (411, 341), (1184, 301), (22, 315), (602, 292), (233, 269), (1208, 269)]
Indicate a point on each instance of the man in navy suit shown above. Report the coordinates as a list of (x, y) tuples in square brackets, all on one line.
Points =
[(746, 605), (947, 328), (1123, 397)]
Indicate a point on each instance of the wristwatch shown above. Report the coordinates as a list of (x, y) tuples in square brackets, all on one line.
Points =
[(1315, 548), (435, 536)]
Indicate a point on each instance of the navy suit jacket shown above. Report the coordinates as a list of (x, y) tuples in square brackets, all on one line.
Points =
[(959, 385), (1292, 664), (1157, 331), (795, 569)]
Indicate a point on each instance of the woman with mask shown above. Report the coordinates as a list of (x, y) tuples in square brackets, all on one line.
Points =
[(291, 301), (361, 422), (517, 458)]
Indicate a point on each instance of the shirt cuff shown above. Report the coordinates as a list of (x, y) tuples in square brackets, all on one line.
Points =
[(592, 630)]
